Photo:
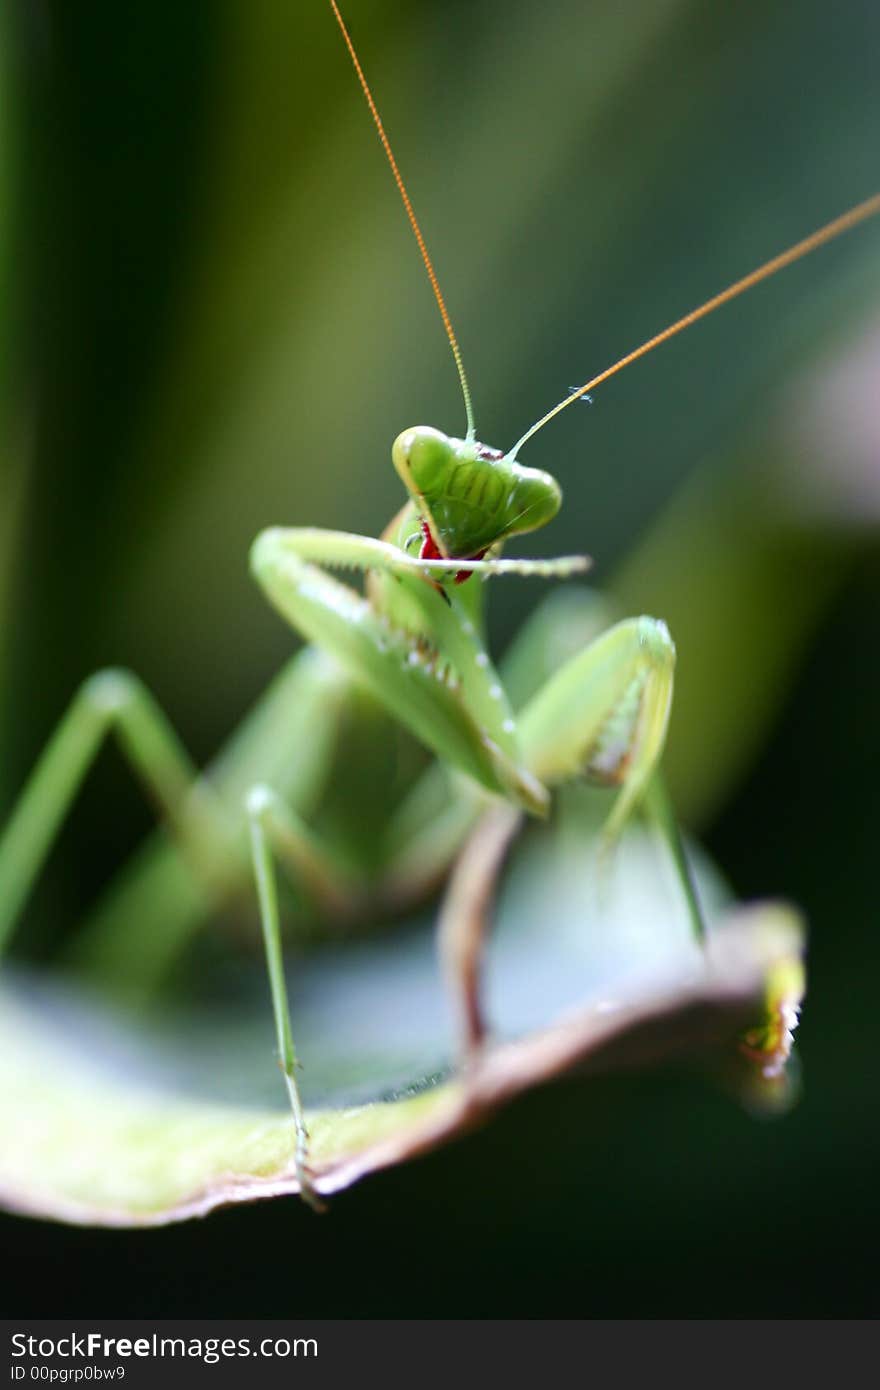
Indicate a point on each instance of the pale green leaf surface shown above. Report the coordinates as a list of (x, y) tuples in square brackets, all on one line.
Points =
[(116, 1120)]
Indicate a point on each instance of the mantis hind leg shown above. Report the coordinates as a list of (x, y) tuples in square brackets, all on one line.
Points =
[(111, 701), (285, 740), (205, 818), (206, 831), (659, 808)]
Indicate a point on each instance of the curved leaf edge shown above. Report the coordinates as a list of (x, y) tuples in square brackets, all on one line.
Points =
[(701, 1018)]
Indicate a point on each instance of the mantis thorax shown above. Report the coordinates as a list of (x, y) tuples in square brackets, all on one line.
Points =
[(468, 495)]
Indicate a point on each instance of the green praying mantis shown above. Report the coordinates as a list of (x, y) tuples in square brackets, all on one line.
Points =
[(414, 642)]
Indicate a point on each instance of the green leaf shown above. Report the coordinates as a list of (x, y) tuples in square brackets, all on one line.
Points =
[(115, 1119)]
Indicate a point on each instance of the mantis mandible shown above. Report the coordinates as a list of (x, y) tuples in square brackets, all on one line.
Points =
[(414, 640)]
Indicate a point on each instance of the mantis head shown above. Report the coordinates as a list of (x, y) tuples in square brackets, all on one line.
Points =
[(469, 496)]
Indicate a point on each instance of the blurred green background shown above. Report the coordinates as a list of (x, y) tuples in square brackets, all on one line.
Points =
[(213, 319)]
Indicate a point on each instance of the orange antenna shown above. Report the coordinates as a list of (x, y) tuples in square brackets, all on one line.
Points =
[(860, 213), (413, 222)]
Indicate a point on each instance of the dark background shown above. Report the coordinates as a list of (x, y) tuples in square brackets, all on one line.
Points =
[(213, 319)]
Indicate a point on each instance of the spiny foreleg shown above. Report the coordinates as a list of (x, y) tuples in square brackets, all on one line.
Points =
[(601, 718)]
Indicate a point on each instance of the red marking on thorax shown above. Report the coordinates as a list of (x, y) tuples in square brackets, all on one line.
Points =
[(430, 551)]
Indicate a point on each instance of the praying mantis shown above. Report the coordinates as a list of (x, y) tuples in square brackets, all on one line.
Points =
[(415, 642)]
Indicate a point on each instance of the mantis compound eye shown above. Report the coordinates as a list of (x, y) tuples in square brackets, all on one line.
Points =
[(422, 457)]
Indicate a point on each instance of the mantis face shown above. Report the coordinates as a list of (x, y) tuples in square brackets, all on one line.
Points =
[(469, 496)]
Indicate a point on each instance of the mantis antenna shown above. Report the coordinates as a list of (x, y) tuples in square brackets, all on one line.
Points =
[(860, 213), (413, 222)]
